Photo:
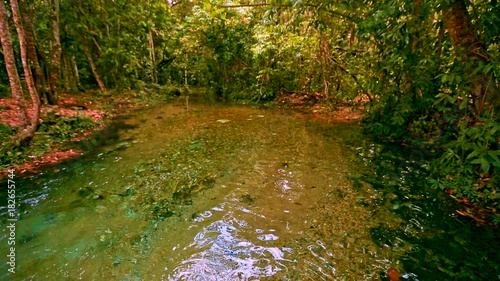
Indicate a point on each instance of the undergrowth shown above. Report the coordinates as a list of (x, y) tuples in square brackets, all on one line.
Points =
[(54, 132)]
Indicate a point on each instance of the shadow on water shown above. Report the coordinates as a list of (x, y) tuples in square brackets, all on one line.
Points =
[(32, 189), (100, 140), (434, 243), (106, 136)]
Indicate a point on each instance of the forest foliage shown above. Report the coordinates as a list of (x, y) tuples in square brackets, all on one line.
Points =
[(429, 69)]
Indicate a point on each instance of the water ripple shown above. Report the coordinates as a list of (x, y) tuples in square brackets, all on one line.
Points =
[(225, 252)]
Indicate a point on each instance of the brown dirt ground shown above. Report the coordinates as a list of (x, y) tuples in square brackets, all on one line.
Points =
[(9, 113)]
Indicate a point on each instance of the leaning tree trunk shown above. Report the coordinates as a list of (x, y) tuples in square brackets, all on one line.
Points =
[(467, 44), (93, 68), (35, 99), (10, 65)]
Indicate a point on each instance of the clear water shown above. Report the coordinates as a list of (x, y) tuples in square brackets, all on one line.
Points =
[(221, 192)]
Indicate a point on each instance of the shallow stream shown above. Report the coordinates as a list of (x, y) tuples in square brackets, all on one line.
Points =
[(224, 192)]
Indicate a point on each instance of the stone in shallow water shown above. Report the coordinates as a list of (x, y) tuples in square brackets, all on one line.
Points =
[(117, 261), (247, 198), (127, 193), (223, 121)]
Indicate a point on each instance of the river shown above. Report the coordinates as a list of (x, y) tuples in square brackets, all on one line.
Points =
[(225, 192)]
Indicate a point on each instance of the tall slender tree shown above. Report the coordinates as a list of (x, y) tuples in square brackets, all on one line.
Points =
[(35, 99), (14, 79), (29, 33), (55, 54), (154, 78)]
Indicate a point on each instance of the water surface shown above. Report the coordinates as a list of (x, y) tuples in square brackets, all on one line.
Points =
[(222, 192)]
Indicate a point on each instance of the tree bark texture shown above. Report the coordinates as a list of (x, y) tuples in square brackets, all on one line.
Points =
[(464, 38), (40, 81), (75, 70), (55, 55), (35, 99), (152, 57), (10, 65)]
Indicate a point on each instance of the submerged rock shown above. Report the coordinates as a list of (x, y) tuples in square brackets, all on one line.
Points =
[(127, 193), (247, 198)]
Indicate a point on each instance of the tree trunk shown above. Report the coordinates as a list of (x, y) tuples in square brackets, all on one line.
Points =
[(67, 75), (76, 73), (40, 83), (10, 65), (70, 74), (462, 33), (323, 56), (35, 99), (467, 45), (55, 55), (152, 57), (93, 68)]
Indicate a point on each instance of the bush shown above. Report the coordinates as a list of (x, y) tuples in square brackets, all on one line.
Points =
[(53, 132)]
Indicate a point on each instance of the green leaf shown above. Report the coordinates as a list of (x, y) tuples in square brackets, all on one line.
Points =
[(494, 155), (207, 6), (494, 129), (451, 99), (473, 154), (479, 68), (477, 161), (485, 165), (488, 68)]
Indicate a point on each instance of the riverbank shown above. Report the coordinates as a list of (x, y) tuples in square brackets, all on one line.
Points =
[(313, 105), (75, 118)]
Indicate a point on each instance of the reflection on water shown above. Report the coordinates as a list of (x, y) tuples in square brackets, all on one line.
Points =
[(222, 255), (432, 241), (264, 196)]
